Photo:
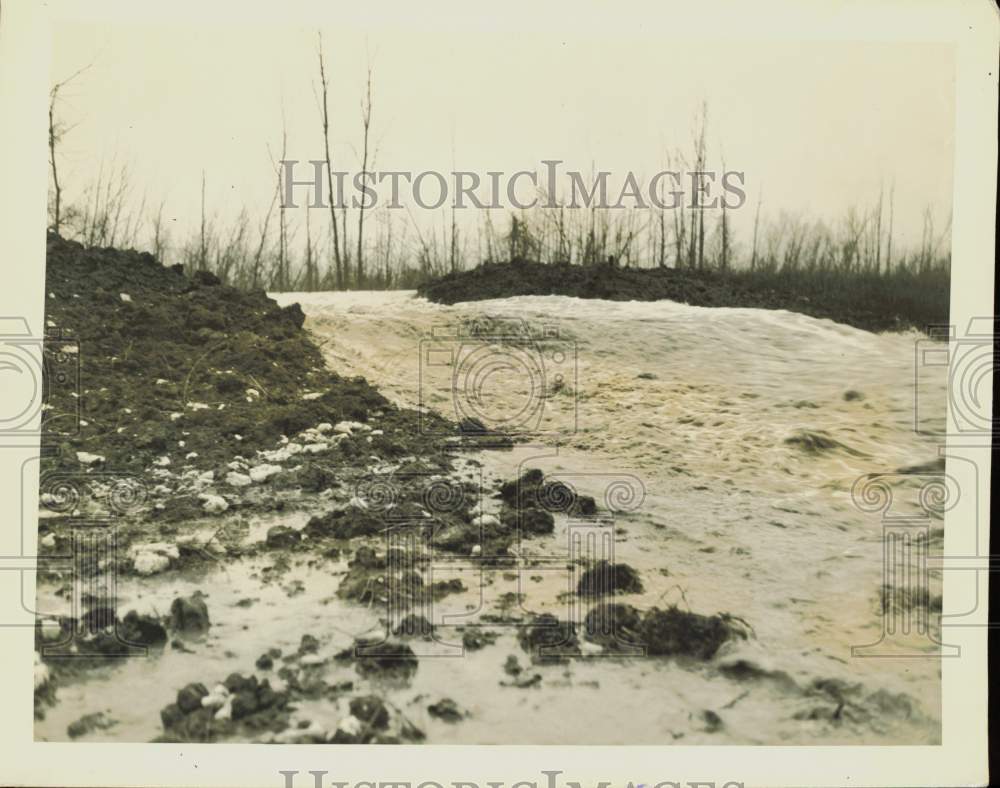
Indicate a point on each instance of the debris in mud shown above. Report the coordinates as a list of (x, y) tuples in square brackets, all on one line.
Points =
[(475, 638), (89, 723), (531, 491), (380, 658), (414, 626), (676, 632), (189, 614), (614, 626), (816, 442), (281, 536), (853, 396), (447, 710), (547, 639), (604, 579), (712, 722), (239, 705), (371, 711)]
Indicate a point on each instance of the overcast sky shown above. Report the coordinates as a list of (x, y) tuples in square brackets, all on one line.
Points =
[(816, 126)]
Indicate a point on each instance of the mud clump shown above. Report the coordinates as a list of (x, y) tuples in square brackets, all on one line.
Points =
[(676, 632), (239, 705), (446, 709), (371, 710), (815, 442), (532, 492), (414, 626), (385, 658), (605, 579), (281, 537), (89, 723), (547, 639), (614, 626), (668, 633), (189, 615)]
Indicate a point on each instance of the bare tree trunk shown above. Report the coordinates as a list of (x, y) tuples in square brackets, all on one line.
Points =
[(366, 120), (202, 251), (338, 262)]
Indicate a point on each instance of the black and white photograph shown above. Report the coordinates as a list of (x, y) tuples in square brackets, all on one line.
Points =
[(537, 377)]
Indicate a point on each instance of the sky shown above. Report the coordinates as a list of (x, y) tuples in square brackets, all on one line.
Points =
[(815, 126)]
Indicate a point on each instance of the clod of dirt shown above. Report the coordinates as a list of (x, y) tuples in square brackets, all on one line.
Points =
[(446, 709), (189, 614), (816, 442), (371, 711), (531, 521), (380, 658), (142, 629), (308, 645), (281, 536), (853, 396), (189, 698), (239, 704), (475, 638), (676, 632), (604, 579), (547, 639), (613, 625), (414, 626), (88, 723), (712, 722), (346, 523)]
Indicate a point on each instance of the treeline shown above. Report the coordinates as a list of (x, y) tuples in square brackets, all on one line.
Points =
[(284, 249)]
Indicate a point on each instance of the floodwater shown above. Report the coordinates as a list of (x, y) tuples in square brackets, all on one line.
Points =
[(724, 443)]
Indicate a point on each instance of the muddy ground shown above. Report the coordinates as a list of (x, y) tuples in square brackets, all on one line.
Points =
[(872, 303), (223, 460)]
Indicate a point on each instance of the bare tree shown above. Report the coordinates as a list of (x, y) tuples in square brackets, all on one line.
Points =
[(338, 261), (56, 132), (366, 122)]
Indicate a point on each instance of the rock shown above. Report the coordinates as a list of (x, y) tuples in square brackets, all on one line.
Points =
[(371, 711), (86, 458), (189, 698), (262, 473), (511, 666), (147, 564), (189, 614), (853, 396), (514, 493), (604, 578), (348, 731), (237, 479), (445, 709), (214, 504), (280, 536)]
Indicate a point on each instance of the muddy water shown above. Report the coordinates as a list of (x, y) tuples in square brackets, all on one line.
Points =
[(691, 409)]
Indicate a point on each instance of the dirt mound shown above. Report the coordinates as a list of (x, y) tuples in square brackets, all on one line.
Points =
[(180, 370), (869, 302)]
